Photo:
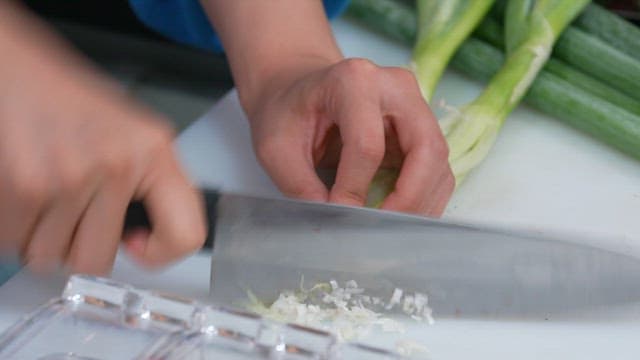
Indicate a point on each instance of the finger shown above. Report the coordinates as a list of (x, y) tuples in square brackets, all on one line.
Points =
[(99, 231), (419, 178), (51, 239), (73, 187), (24, 191), (426, 154), (441, 194), (20, 210), (362, 132), (176, 213), (291, 168)]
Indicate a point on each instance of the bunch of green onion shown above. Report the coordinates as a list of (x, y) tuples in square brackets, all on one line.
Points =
[(590, 79)]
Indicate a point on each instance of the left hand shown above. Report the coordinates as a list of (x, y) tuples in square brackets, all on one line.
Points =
[(356, 116), (309, 107)]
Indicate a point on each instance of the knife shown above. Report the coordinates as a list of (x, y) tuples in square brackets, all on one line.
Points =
[(268, 245)]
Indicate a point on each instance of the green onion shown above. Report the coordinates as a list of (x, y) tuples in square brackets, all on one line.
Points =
[(491, 31), (595, 87), (532, 29), (611, 28), (388, 17), (442, 27), (600, 44), (596, 58), (581, 101), (559, 98)]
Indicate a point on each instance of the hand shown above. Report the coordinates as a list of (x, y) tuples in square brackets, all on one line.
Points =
[(73, 153), (359, 117), (309, 107)]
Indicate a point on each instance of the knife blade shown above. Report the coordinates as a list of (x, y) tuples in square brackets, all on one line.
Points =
[(268, 245)]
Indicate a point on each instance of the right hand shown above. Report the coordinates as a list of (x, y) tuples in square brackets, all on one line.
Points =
[(74, 152)]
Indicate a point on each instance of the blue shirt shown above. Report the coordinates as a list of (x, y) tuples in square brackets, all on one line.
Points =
[(185, 21)]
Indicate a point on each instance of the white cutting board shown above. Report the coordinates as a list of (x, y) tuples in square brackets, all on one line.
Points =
[(541, 176)]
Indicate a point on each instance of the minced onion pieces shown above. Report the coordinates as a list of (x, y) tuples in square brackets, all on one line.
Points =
[(412, 348), (342, 310), (395, 299)]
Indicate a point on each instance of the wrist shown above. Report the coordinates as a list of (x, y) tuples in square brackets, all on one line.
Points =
[(266, 81), (287, 39)]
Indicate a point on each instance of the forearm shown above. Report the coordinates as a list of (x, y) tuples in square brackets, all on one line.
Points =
[(267, 40), (22, 35), (36, 54)]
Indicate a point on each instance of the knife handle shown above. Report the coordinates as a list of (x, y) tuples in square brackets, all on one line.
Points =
[(138, 218)]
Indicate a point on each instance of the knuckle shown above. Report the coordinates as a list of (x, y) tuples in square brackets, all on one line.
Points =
[(191, 241), (405, 76), (115, 165), (153, 136), (267, 149), (358, 68), (440, 149), (187, 239), (31, 187), (370, 148), (449, 182), (72, 178), (350, 196), (159, 138), (161, 134), (194, 238)]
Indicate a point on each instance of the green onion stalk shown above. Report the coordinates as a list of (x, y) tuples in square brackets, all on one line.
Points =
[(531, 29), (442, 26)]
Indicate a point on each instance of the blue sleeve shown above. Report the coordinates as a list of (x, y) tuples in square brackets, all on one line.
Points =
[(184, 21)]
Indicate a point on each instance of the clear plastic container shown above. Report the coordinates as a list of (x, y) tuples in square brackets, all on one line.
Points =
[(99, 319)]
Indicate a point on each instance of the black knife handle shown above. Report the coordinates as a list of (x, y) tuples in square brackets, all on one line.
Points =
[(137, 217)]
